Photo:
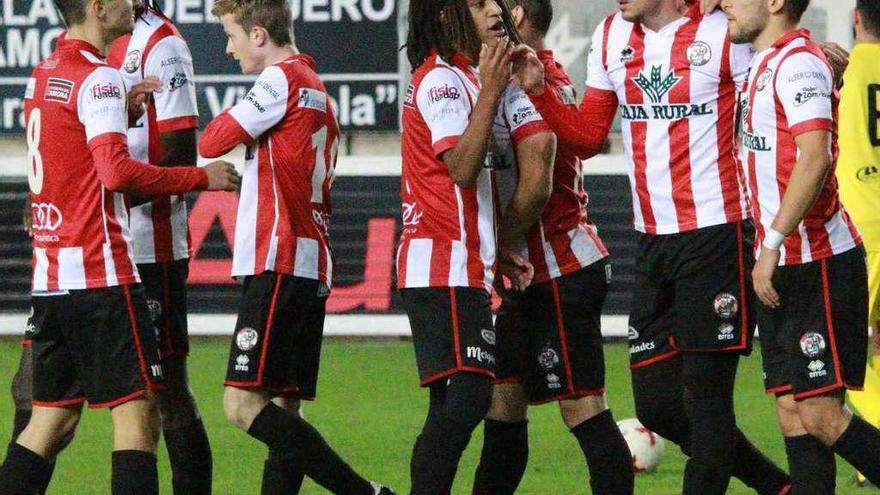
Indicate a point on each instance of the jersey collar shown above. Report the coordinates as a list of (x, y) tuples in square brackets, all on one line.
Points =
[(791, 36), (303, 58), (66, 43)]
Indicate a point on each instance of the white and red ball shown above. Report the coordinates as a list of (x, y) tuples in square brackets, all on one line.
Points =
[(646, 446)]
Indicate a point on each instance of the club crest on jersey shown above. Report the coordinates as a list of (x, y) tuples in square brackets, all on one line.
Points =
[(246, 339), (132, 61), (812, 344), (699, 53), (627, 54), (313, 99), (763, 79), (58, 90), (658, 85)]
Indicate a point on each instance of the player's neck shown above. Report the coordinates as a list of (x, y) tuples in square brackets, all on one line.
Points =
[(277, 54), (664, 15), (90, 34), (775, 30), (867, 39)]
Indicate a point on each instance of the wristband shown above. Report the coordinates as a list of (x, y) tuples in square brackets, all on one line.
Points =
[(773, 239)]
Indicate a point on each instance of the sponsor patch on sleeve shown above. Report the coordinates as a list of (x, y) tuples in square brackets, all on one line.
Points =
[(58, 90), (312, 98)]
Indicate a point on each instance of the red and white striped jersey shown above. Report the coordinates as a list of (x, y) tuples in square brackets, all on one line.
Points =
[(289, 123), (564, 240), (155, 48), (448, 237), (790, 91), (75, 101), (677, 92)]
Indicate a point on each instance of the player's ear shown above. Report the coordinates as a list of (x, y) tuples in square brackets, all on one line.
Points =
[(519, 15), (775, 6), (97, 7), (258, 35)]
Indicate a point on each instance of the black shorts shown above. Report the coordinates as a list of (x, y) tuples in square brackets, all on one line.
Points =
[(165, 284), (692, 293), (550, 337), (95, 344), (452, 331), (277, 341), (817, 340)]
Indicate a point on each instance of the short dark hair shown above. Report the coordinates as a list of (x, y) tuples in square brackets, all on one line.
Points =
[(538, 12), (795, 9), (73, 11), (870, 12), (272, 15)]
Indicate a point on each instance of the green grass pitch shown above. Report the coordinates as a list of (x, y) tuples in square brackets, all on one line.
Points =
[(370, 409)]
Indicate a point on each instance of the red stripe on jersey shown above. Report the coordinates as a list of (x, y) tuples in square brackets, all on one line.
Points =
[(679, 130), (265, 207), (606, 30), (177, 124), (728, 170), (639, 129), (475, 266), (118, 245), (811, 125)]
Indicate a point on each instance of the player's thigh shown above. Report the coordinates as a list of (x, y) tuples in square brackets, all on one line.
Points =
[(511, 340), (452, 331), (165, 288), (652, 315), (56, 380)]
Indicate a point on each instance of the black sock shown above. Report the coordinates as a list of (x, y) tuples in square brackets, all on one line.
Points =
[(23, 471), (281, 476), (860, 446), (190, 456), (134, 473), (504, 457), (812, 466), (756, 470), (608, 456), (301, 444)]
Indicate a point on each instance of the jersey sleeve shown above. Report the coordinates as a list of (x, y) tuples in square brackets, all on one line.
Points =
[(804, 87), (101, 104), (444, 104), (597, 73), (265, 104), (740, 61), (522, 118), (171, 61)]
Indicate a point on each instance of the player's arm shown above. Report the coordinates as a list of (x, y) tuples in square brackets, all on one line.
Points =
[(585, 129), (104, 115), (260, 110), (804, 86), (466, 157), (177, 113)]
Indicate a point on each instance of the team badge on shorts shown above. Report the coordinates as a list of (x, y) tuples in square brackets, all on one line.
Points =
[(246, 339), (548, 359), (726, 305), (155, 309), (699, 53), (812, 344)]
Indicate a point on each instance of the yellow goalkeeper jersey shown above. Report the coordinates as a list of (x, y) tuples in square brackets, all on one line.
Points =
[(858, 166)]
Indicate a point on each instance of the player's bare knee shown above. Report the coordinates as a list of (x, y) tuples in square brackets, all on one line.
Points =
[(242, 406), (136, 424), (575, 412), (824, 418), (50, 430), (509, 403), (788, 417), (289, 404)]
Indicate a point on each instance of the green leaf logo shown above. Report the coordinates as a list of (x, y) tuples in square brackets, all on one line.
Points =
[(656, 86)]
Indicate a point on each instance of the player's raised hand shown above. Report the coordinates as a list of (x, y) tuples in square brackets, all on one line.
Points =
[(528, 71), (495, 66), (762, 277), (838, 57), (137, 97), (516, 268), (222, 176)]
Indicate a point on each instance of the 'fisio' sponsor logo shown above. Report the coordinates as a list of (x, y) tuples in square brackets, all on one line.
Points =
[(444, 92), (100, 91)]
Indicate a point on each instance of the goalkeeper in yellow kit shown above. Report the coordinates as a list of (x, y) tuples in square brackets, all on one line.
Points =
[(858, 172)]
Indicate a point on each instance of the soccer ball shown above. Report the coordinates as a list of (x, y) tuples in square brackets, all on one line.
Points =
[(646, 446)]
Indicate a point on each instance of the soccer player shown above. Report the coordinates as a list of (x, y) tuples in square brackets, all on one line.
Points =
[(810, 272), (549, 341), (166, 135), (93, 339), (858, 174), (447, 254), (282, 245), (673, 73)]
